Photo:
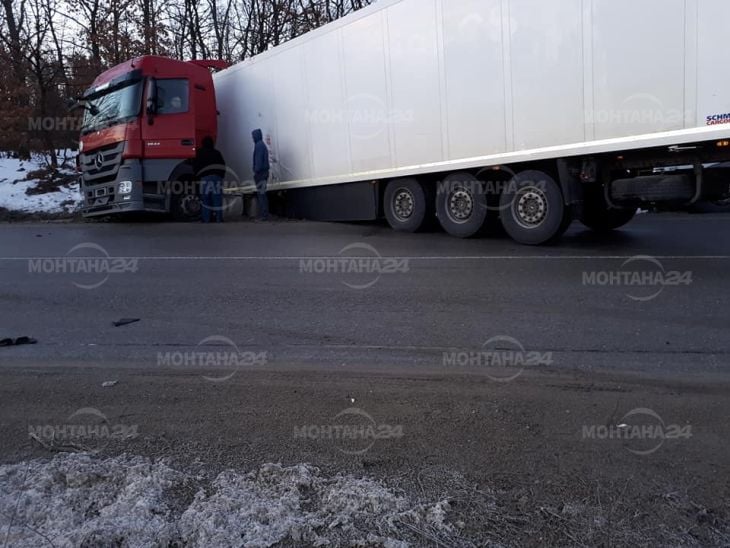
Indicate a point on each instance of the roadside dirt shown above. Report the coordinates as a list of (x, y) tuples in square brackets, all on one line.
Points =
[(8, 216), (546, 459)]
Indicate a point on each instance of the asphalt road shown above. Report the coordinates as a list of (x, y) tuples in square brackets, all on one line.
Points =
[(269, 289), (249, 332)]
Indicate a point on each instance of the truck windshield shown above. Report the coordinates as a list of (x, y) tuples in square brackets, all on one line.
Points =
[(117, 106)]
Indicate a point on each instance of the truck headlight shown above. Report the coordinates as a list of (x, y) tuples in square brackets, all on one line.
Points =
[(125, 187)]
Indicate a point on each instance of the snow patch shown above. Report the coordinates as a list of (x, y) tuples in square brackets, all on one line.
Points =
[(13, 187), (83, 500), (13, 197)]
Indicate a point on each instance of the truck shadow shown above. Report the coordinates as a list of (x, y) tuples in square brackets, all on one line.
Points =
[(579, 235)]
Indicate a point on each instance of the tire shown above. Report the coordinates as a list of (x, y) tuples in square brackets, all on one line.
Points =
[(461, 205), (406, 205), (185, 204), (599, 217), (533, 209)]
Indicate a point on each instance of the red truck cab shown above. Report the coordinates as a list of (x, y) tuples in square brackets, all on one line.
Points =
[(142, 123)]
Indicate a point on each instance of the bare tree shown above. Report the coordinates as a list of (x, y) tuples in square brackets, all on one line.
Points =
[(55, 48)]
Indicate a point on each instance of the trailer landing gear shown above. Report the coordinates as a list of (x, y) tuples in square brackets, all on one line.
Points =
[(533, 209)]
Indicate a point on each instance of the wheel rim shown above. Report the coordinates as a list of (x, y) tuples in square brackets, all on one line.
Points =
[(190, 205), (530, 207), (460, 206), (404, 204)]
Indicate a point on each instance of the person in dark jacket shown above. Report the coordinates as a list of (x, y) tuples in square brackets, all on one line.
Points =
[(261, 169), (210, 168)]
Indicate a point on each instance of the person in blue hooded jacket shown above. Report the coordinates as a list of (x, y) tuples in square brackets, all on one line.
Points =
[(261, 169)]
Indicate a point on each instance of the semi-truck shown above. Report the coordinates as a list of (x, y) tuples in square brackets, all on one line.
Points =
[(527, 114)]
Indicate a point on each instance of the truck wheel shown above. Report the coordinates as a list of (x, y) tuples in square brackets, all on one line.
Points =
[(185, 204), (461, 205), (599, 217), (406, 205), (533, 210)]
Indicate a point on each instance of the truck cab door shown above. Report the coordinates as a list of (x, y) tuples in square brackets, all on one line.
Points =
[(170, 128)]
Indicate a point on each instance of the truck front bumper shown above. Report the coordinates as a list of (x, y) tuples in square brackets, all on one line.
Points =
[(110, 197), (112, 208)]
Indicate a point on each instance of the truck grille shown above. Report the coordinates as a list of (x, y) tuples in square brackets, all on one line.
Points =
[(102, 165), (100, 196)]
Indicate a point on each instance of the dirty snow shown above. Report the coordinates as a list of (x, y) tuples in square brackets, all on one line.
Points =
[(84, 500), (13, 187)]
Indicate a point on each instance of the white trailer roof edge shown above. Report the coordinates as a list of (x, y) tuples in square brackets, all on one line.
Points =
[(308, 36)]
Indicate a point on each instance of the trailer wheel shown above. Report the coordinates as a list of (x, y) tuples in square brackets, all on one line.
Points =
[(599, 217), (461, 205), (185, 203), (406, 205), (533, 209)]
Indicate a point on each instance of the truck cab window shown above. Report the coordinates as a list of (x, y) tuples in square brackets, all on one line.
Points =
[(172, 96)]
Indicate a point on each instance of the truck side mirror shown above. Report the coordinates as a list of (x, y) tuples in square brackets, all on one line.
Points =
[(151, 100)]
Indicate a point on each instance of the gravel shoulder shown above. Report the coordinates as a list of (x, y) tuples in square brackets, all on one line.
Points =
[(517, 463)]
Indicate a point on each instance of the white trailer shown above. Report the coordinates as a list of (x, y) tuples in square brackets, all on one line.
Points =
[(534, 112)]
